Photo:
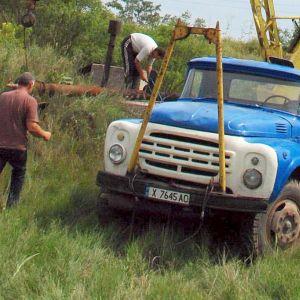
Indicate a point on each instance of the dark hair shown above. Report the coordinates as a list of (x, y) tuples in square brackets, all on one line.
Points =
[(25, 79), (161, 52)]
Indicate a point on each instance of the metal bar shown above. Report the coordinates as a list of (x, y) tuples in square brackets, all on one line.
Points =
[(222, 175), (108, 60), (181, 32), (286, 18), (113, 29), (153, 83), (272, 26), (147, 114)]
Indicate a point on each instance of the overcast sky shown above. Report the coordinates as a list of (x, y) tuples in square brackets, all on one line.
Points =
[(235, 15)]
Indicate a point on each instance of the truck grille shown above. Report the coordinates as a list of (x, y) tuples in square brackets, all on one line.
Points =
[(181, 157)]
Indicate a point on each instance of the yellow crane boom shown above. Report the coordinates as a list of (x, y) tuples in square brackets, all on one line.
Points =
[(265, 21)]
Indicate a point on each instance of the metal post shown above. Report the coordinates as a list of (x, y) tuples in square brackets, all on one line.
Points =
[(222, 175), (147, 114), (114, 29)]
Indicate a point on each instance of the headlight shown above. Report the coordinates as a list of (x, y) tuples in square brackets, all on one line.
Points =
[(117, 154), (252, 179)]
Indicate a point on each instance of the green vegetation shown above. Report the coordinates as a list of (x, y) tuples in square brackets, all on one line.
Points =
[(54, 245)]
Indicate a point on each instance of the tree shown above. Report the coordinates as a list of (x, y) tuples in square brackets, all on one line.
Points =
[(74, 27), (185, 17), (137, 11), (289, 38), (199, 22)]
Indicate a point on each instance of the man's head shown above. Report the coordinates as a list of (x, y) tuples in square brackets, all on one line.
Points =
[(158, 53), (26, 80)]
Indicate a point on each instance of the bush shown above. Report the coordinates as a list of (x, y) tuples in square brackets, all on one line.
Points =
[(43, 62)]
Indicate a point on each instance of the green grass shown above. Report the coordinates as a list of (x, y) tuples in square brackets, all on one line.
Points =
[(53, 245)]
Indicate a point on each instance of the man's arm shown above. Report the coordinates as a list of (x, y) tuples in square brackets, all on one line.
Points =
[(140, 69), (36, 130), (32, 120)]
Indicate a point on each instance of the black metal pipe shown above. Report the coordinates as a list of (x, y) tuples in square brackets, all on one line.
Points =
[(114, 29)]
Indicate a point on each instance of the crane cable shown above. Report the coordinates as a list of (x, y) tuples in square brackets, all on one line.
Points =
[(25, 49)]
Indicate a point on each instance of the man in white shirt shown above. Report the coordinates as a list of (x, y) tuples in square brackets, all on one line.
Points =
[(137, 48)]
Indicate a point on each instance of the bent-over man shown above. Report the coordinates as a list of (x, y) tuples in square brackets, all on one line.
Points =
[(137, 48), (18, 114)]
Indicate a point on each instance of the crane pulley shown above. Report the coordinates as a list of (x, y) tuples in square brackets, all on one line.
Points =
[(28, 20)]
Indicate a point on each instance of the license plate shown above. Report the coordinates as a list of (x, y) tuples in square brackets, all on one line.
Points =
[(167, 195)]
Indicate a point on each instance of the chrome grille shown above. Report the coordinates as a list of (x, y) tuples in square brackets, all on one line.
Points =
[(182, 157)]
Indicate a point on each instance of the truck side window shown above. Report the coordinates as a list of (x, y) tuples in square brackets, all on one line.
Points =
[(195, 90), (193, 84), (199, 84)]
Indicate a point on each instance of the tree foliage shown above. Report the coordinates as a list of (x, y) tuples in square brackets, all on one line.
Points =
[(141, 12), (73, 27)]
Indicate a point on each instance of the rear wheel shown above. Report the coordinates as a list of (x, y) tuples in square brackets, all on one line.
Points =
[(280, 225)]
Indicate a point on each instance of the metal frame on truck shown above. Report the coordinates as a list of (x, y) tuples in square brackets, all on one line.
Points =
[(180, 32)]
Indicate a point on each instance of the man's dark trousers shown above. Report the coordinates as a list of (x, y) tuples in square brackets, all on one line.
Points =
[(17, 159)]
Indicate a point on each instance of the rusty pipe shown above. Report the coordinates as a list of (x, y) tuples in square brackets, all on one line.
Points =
[(65, 89), (113, 29)]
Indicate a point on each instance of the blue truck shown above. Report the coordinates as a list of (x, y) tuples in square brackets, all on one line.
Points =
[(179, 155)]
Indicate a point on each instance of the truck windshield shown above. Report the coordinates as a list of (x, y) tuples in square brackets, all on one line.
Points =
[(245, 88)]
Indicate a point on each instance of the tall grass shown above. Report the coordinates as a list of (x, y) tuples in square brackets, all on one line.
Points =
[(44, 63)]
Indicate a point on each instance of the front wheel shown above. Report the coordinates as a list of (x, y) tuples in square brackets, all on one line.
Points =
[(280, 225)]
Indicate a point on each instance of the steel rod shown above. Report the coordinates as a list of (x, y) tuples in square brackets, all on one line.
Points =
[(222, 166), (147, 114)]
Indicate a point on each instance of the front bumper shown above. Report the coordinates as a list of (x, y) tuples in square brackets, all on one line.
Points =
[(136, 186)]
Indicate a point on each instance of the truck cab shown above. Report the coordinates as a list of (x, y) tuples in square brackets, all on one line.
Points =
[(178, 166)]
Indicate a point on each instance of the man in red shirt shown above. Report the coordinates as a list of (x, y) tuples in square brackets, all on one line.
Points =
[(18, 115)]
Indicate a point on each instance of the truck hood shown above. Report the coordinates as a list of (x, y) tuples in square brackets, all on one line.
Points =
[(240, 120)]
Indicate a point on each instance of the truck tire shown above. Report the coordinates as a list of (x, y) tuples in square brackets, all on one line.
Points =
[(279, 227)]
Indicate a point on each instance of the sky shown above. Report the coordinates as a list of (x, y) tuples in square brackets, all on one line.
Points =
[(235, 16)]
